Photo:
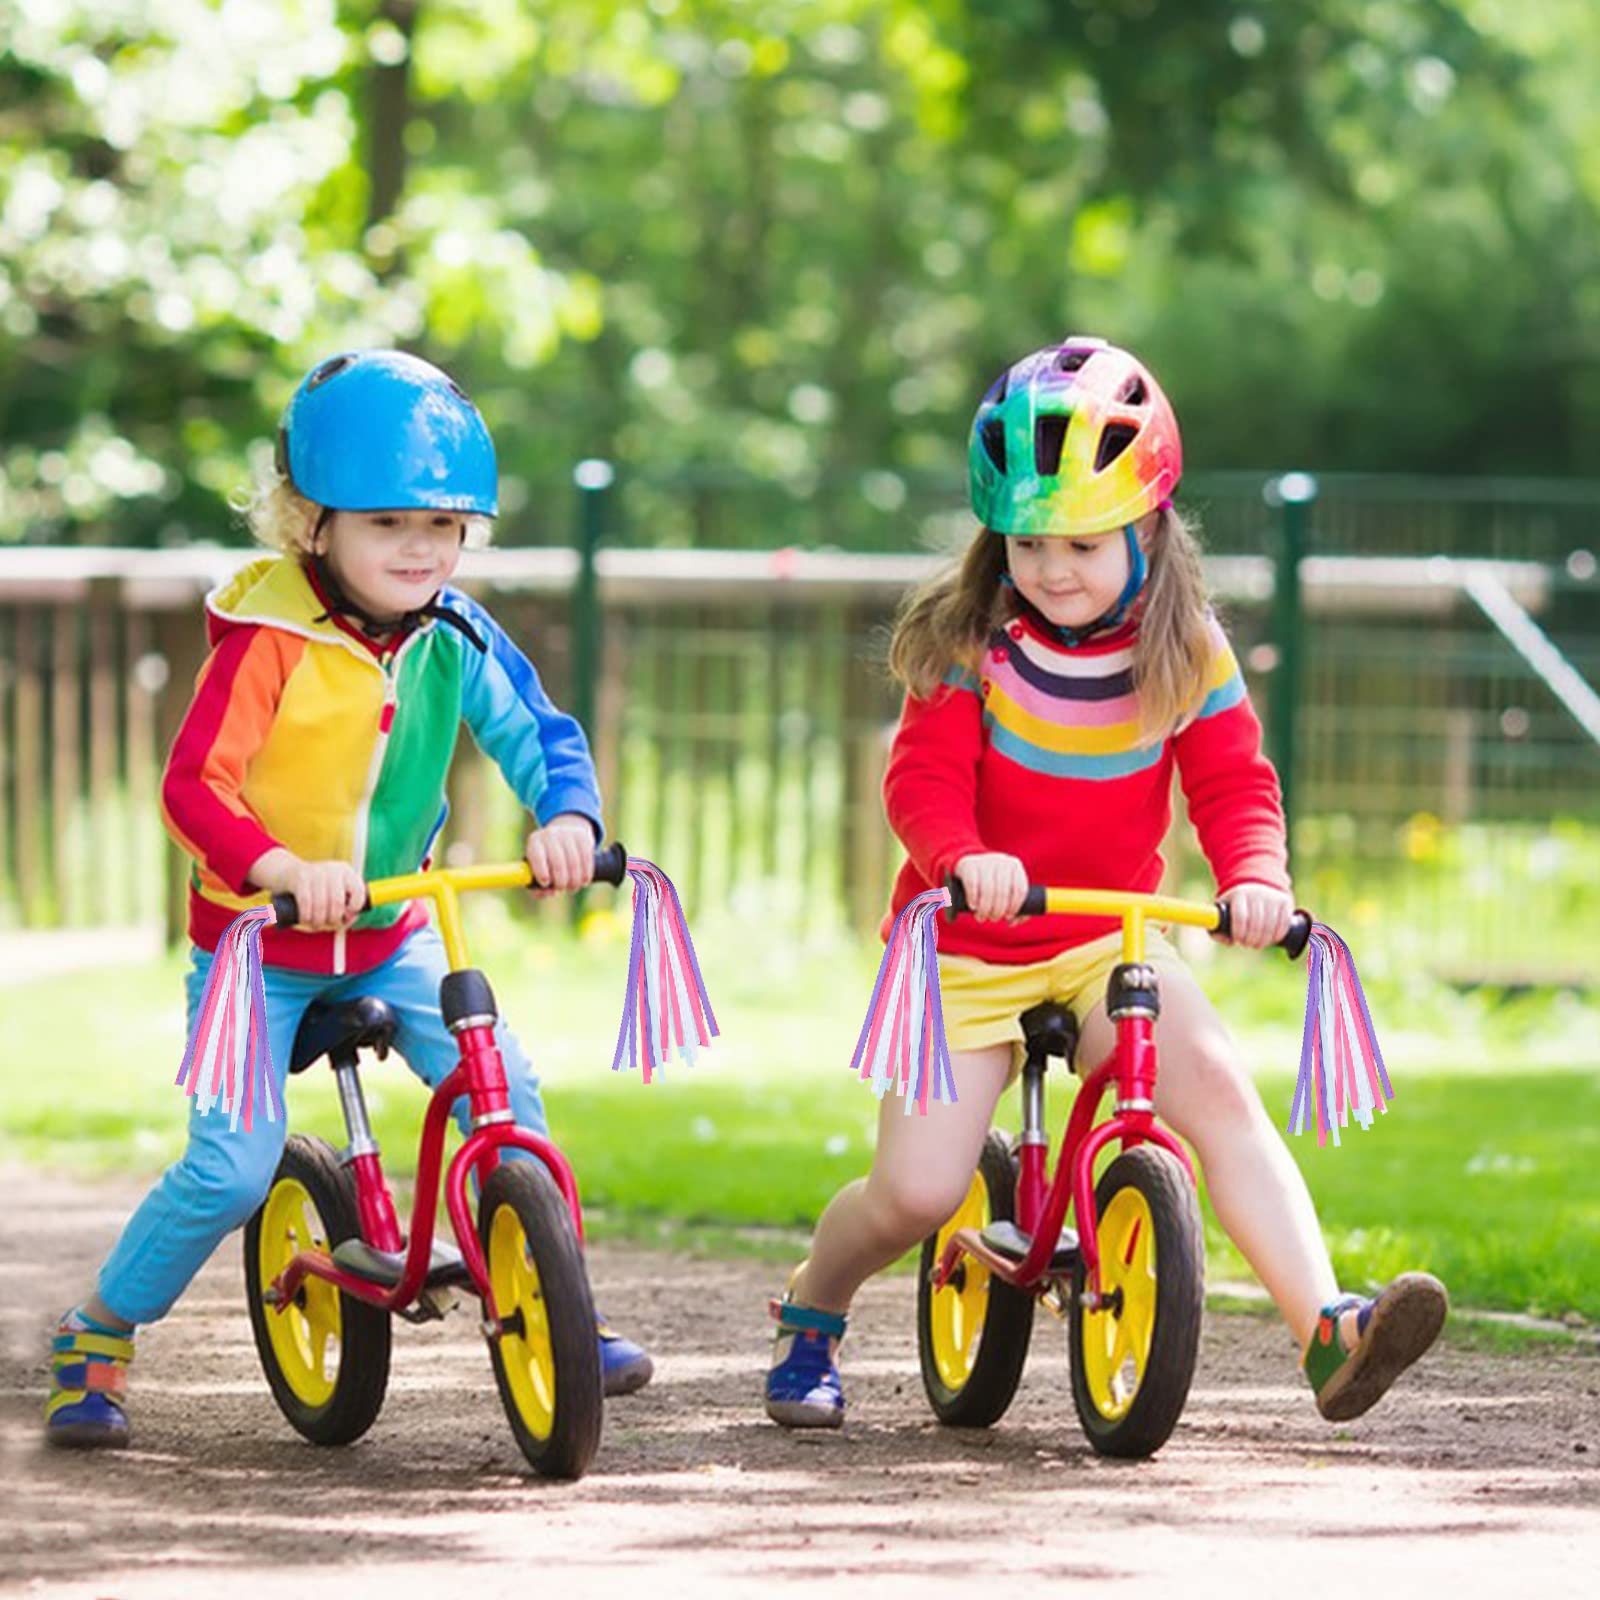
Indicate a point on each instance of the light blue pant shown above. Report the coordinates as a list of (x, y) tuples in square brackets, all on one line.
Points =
[(225, 1173)]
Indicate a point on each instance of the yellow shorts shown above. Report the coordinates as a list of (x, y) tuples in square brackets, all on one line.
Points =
[(984, 1000)]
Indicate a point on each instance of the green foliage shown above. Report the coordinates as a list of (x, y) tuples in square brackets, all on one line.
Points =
[(785, 239)]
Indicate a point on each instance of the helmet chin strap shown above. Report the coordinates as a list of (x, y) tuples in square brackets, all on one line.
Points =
[(340, 604), (1138, 572)]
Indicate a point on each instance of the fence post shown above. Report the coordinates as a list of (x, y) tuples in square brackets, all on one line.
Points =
[(594, 478), (1292, 494)]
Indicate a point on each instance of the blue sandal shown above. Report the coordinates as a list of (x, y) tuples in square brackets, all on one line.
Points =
[(88, 1388), (803, 1388), (1392, 1331)]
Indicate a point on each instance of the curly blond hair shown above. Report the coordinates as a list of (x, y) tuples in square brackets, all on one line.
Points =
[(283, 519)]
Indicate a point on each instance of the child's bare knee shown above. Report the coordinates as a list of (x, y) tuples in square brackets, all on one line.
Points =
[(1218, 1083), (915, 1203)]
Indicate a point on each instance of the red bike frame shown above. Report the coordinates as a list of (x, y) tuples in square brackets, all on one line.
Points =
[(481, 1077), (1041, 1203)]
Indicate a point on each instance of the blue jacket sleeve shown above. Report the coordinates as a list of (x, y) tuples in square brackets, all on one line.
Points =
[(541, 750)]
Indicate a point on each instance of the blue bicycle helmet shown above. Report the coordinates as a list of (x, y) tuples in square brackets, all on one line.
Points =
[(380, 430)]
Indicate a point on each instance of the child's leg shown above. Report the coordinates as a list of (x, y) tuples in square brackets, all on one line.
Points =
[(921, 1171), (920, 1174), (1353, 1348), (1204, 1093), (216, 1184)]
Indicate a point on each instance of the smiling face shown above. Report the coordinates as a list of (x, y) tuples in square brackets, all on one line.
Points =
[(1073, 582), (391, 562)]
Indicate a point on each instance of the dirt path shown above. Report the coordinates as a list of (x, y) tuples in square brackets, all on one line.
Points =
[(1482, 1472)]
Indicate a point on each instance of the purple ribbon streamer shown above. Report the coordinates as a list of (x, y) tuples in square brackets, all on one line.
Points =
[(922, 925)]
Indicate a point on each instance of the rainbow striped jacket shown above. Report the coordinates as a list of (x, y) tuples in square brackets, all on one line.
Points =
[(305, 733)]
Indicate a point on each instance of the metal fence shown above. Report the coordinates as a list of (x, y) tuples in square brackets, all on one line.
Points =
[(741, 713)]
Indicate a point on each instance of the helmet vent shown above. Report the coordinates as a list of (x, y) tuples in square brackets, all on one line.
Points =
[(1071, 360), (997, 389), (1049, 434), (1116, 438), (1133, 391), (329, 369), (993, 434)]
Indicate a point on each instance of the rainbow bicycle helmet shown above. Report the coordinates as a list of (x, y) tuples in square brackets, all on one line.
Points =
[(1076, 439), (380, 430)]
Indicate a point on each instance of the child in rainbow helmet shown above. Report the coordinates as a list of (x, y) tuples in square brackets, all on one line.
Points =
[(1056, 681), (313, 758)]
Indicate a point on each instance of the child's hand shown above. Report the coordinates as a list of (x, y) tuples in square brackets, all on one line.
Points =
[(995, 883), (561, 855), (1258, 915), (328, 894)]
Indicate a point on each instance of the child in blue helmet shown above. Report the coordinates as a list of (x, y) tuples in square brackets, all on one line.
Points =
[(312, 759)]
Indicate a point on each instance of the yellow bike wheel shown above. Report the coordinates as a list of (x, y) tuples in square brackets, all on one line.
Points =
[(326, 1355), (547, 1357), (972, 1335), (1133, 1356)]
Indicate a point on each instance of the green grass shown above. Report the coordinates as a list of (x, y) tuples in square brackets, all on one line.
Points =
[(1485, 1171)]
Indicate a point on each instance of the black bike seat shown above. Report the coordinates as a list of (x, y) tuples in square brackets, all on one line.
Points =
[(339, 1028), (1050, 1029)]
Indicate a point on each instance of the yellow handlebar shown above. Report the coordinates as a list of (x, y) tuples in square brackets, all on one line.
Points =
[(1134, 909), (446, 885)]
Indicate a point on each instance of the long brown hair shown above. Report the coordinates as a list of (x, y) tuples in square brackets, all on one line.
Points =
[(946, 622)]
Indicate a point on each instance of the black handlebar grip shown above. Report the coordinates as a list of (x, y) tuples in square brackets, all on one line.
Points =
[(288, 912), (1293, 942), (611, 863), (1299, 934), (1032, 902)]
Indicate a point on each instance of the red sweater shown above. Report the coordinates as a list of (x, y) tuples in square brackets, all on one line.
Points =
[(1037, 754)]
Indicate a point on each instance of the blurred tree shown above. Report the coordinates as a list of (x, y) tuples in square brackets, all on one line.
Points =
[(784, 239)]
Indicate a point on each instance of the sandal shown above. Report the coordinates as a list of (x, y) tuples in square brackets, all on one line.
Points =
[(1393, 1330), (88, 1387), (803, 1388)]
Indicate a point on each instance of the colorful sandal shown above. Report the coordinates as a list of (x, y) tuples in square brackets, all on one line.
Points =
[(1393, 1330), (803, 1388), (88, 1388)]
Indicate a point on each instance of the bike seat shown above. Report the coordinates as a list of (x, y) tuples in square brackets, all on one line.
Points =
[(1050, 1029), (1008, 1240), (445, 1267), (339, 1028)]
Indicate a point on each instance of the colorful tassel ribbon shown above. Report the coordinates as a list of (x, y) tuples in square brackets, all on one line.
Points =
[(1341, 1068), (902, 1041), (228, 1061), (665, 1005)]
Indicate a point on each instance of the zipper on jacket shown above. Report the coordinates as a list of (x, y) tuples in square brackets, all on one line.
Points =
[(389, 665)]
